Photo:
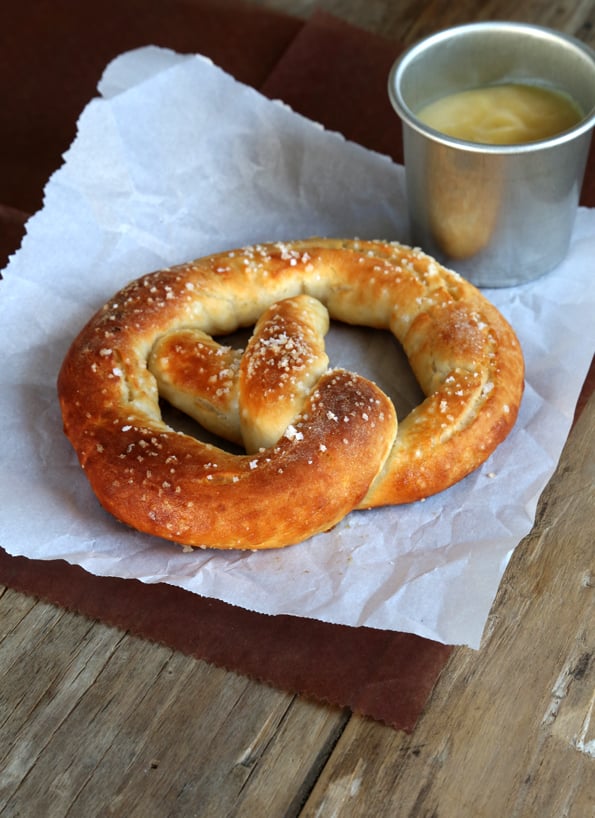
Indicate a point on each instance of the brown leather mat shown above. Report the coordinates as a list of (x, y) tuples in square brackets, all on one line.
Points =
[(381, 674), (53, 54)]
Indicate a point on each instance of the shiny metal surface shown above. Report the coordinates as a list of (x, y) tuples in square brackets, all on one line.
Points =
[(500, 215)]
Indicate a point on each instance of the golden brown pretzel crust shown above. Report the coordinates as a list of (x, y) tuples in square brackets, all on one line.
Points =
[(342, 451)]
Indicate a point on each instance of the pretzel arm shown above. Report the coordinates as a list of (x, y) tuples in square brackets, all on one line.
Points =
[(200, 377), (283, 362)]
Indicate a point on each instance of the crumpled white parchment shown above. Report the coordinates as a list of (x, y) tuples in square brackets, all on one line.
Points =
[(175, 160)]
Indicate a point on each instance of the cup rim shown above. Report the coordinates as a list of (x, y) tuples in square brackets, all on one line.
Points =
[(409, 117)]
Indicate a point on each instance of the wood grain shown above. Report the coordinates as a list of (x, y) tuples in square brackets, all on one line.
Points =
[(96, 722), (406, 21)]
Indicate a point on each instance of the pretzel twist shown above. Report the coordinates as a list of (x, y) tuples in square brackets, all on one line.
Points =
[(318, 442)]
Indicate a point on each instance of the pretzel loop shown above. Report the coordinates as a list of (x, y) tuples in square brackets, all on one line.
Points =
[(319, 442)]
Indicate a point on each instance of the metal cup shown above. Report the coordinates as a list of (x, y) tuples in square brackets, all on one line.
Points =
[(500, 215)]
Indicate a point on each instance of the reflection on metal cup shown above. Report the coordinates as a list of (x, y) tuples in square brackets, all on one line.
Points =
[(462, 218), (499, 214)]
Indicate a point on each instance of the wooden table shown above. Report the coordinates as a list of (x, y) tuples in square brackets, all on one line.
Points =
[(97, 722)]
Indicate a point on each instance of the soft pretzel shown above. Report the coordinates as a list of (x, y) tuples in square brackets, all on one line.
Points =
[(319, 442)]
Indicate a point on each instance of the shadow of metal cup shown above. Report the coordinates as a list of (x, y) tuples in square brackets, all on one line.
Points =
[(500, 215)]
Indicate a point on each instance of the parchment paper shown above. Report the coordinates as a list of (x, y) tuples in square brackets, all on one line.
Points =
[(175, 160)]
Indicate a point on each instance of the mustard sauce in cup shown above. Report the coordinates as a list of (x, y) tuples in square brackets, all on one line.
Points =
[(505, 114)]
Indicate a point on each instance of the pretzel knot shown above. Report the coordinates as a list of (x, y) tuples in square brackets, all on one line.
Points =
[(319, 442)]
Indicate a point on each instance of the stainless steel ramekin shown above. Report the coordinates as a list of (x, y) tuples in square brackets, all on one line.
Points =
[(500, 215)]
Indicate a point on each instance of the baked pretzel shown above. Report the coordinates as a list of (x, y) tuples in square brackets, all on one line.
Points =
[(319, 442)]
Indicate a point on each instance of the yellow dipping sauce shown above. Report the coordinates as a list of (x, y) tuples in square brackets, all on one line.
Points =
[(502, 114)]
